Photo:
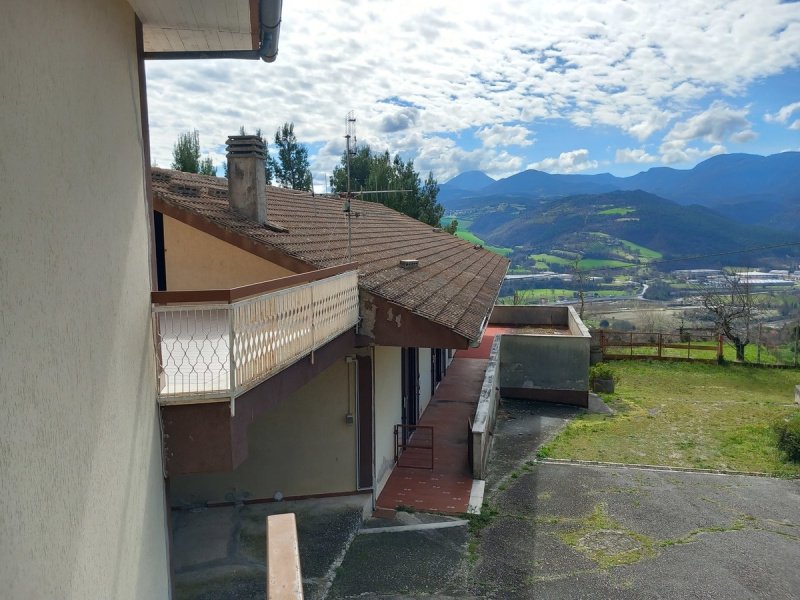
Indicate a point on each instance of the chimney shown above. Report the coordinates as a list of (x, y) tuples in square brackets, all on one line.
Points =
[(247, 191)]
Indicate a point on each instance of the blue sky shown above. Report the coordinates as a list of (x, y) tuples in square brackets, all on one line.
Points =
[(578, 87)]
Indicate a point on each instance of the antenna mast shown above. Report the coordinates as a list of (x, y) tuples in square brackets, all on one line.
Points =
[(350, 134)]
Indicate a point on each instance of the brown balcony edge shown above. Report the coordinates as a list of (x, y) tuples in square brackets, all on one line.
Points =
[(245, 291)]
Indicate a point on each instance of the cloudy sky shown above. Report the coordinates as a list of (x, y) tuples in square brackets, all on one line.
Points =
[(502, 86)]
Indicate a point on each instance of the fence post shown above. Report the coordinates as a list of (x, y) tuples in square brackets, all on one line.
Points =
[(232, 357), (660, 342), (796, 340), (719, 347), (758, 346), (631, 346)]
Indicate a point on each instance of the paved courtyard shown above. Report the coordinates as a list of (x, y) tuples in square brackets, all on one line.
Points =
[(568, 531)]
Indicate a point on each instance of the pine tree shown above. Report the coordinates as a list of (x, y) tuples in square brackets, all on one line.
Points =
[(291, 168)]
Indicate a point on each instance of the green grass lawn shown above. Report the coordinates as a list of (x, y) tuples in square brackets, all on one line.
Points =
[(751, 353), (687, 415)]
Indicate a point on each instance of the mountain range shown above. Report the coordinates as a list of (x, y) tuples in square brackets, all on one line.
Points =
[(747, 188)]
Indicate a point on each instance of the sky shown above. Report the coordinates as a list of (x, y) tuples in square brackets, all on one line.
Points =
[(564, 87)]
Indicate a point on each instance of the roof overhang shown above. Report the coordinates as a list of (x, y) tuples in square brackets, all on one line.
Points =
[(190, 29), (385, 323)]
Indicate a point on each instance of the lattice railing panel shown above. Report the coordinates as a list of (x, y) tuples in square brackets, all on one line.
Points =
[(270, 332), (193, 350), (335, 307)]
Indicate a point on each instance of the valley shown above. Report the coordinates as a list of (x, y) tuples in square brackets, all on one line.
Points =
[(637, 252)]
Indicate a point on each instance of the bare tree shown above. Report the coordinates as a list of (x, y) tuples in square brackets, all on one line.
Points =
[(579, 277), (733, 308)]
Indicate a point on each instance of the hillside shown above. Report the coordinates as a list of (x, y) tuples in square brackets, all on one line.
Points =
[(594, 225), (750, 189)]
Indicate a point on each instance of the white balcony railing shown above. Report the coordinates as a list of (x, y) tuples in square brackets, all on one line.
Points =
[(212, 350)]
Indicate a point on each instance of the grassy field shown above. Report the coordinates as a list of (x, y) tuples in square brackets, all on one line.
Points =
[(617, 211), (465, 234), (474, 239), (601, 263), (547, 260), (643, 252), (687, 415), (533, 296), (550, 259)]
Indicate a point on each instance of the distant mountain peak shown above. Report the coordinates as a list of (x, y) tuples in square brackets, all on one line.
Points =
[(471, 181)]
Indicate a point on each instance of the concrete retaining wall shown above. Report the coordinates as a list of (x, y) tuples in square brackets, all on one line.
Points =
[(548, 368), (486, 414)]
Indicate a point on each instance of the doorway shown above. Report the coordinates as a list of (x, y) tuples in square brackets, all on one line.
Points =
[(410, 377)]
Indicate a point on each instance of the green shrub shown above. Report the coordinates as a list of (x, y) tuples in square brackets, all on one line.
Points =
[(602, 371), (788, 432)]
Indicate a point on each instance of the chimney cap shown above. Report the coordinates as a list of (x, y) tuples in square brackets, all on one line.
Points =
[(246, 145)]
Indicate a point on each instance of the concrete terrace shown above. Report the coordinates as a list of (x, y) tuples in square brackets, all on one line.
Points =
[(447, 487)]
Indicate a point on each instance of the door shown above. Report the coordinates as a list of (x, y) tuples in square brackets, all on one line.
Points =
[(365, 425), (410, 375)]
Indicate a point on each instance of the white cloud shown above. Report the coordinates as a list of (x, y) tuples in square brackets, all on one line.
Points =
[(784, 114), (746, 135), (634, 155), (399, 120), (504, 135), (713, 125), (677, 152), (631, 67), (567, 162)]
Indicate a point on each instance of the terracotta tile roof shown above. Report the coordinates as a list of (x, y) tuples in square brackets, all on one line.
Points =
[(454, 285)]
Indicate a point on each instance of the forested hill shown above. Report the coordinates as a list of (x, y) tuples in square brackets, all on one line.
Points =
[(750, 189), (577, 222)]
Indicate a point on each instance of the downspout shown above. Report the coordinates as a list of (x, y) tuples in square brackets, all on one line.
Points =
[(269, 19)]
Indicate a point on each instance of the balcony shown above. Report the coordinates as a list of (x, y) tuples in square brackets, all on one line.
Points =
[(215, 345)]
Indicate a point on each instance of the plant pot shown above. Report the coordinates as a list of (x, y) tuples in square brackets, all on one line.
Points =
[(603, 386)]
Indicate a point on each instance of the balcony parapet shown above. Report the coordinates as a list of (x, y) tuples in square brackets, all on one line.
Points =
[(214, 345)]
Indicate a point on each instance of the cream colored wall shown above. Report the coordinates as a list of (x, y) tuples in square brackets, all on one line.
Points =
[(198, 261), (425, 391), (81, 489), (301, 447), (388, 409)]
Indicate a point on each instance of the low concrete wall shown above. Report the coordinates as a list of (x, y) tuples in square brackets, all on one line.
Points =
[(548, 368), (284, 577), (530, 315), (486, 414)]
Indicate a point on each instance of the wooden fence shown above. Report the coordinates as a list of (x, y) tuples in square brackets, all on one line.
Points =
[(636, 345), (691, 345)]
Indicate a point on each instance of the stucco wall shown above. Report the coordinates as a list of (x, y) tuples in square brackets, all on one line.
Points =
[(198, 261), (81, 489), (301, 447), (388, 409), (425, 391)]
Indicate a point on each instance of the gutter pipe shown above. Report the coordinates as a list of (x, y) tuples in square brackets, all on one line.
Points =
[(269, 19)]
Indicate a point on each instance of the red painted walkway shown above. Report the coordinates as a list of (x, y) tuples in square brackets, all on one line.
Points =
[(446, 488)]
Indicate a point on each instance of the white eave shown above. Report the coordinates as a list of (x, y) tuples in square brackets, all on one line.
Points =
[(176, 29)]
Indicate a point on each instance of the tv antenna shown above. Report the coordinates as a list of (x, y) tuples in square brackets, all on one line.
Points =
[(349, 136)]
